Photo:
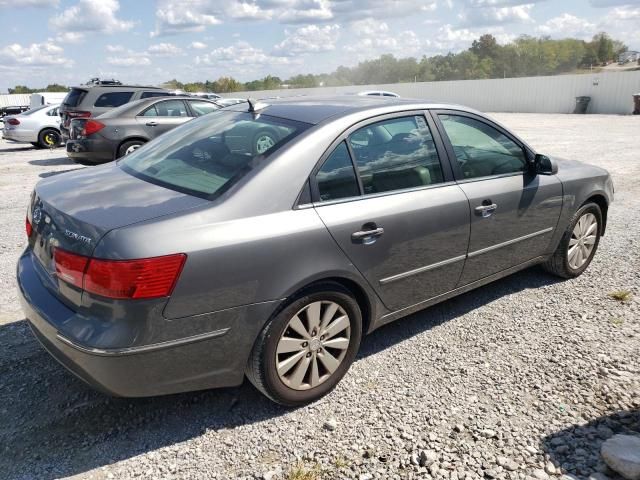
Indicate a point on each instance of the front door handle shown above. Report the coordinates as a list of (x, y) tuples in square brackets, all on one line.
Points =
[(152, 124), (486, 210), (367, 237)]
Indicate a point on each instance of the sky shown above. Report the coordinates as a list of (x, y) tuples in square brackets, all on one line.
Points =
[(151, 41)]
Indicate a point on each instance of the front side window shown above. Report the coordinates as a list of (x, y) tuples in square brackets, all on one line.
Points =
[(113, 99), (205, 156), (336, 178), (480, 149), (396, 154), (202, 108)]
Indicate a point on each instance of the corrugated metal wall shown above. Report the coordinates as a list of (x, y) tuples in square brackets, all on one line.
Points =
[(15, 100), (609, 92)]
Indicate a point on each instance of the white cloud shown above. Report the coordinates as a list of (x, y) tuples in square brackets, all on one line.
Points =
[(129, 61), (69, 37), (240, 10), (567, 25), (309, 39), (368, 27), (375, 39), (198, 45), (481, 15), (613, 3), (240, 53), (114, 48), (35, 54), (450, 39), (177, 16), (306, 11), (164, 49), (91, 16)]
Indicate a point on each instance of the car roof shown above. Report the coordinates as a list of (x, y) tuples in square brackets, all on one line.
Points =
[(140, 87), (316, 109)]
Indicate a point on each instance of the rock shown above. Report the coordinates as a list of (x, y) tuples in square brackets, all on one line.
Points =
[(488, 433), (550, 468), (330, 424), (459, 428), (622, 454), (427, 457), (365, 476), (531, 450), (598, 476), (540, 474)]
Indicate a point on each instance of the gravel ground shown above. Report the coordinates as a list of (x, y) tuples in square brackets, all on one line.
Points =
[(524, 378)]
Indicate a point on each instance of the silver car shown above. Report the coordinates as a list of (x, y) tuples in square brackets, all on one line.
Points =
[(197, 260), (39, 127)]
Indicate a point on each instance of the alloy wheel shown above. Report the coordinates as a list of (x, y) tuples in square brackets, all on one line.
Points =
[(313, 345), (131, 149), (264, 143), (582, 241)]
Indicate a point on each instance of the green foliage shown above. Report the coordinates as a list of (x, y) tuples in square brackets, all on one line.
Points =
[(22, 89)]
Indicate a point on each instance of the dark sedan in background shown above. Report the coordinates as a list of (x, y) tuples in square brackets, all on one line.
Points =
[(122, 130)]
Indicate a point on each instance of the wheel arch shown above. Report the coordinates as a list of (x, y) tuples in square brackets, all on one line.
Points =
[(600, 200), (129, 139)]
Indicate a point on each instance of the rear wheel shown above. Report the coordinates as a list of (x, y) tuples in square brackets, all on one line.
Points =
[(129, 147), (49, 138), (578, 244), (306, 349), (263, 141)]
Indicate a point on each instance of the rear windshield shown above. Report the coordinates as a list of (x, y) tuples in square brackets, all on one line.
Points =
[(34, 110), (206, 156), (74, 97)]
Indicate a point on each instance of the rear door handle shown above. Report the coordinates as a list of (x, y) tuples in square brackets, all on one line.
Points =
[(367, 237), (486, 210), (152, 124)]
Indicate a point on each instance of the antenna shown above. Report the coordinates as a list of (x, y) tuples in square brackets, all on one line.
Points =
[(256, 105)]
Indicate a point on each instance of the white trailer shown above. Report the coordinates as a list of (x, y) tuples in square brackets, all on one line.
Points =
[(46, 98)]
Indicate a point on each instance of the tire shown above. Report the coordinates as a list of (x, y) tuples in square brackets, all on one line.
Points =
[(283, 387), (559, 263), (49, 138), (128, 147), (263, 141)]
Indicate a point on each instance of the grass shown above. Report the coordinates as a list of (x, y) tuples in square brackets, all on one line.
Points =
[(621, 295), (340, 462), (617, 321), (301, 472)]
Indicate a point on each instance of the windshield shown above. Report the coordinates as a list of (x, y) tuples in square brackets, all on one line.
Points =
[(204, 157)]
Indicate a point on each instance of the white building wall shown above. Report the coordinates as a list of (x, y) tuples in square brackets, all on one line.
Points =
[(610, 92)]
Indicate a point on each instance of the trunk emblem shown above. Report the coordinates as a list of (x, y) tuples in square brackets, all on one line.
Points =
[(77, 236), (37, 215)]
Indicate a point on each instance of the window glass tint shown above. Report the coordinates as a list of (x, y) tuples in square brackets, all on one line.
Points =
[(480, 149), (336, 179), (53, 112), (395, 154), (205, 156), (202, 108), (150, 112), (113, 99), (171, 108), (154, 94), (74, 97), (34, 110)]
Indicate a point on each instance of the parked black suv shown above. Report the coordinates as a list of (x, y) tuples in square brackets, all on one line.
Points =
[(100, 96)]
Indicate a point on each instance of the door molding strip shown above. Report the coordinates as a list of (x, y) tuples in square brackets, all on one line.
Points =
[(460, 258), (508, 242)]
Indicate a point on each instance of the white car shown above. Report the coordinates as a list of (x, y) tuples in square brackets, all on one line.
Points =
[(378, 93), (227, 102), (40, 127)]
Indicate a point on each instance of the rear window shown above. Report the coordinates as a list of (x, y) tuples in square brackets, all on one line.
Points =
[(74, 97), (34, 110), (113, 99), (206, 156), (154, 94)]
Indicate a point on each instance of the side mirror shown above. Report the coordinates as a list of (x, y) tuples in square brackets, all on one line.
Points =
[(544, 165)]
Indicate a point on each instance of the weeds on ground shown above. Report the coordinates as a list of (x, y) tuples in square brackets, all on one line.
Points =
[(621, 295), (617, 321), (301, 472)]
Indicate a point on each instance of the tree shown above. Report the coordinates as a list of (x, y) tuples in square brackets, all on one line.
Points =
[(604, 46), (21, 89), (485, 46), (55, 87)]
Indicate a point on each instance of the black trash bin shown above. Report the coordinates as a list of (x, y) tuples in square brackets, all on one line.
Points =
[(582, 103), (636, 104)]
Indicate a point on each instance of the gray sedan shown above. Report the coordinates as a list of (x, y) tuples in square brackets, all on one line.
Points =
[(197, 260), (122, 130)]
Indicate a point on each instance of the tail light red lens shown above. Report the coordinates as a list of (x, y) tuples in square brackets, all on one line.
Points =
[(136, 279), (78, 114), (28, 227), (13, 121), (91, 127), (70, 267)]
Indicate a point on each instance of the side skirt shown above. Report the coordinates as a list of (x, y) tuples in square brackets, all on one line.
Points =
[(403, 312)]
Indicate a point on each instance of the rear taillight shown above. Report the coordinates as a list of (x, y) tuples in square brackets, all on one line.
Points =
[(13, 121), (28, 227), (142, 278), (70, 267), (78, 114), (90, 127)]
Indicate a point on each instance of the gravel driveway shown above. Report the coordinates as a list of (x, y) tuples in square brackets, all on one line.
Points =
[(523, 378)]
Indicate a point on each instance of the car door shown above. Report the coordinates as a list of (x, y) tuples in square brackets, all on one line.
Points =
[(162, 116), (386, 194), (513, 211)]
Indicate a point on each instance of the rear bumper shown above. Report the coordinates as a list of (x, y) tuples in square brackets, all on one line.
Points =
[(215, 358), (93, 150)]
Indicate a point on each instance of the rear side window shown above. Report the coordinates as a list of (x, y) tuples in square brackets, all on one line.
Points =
[(113, 99), (336, 178), (74, 97), (396, 154), (170, 108), (202, 108), (154, 94)]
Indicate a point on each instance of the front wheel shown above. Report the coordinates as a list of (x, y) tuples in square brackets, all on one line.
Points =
[(306, 349), (578, 244), (49, 138)]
